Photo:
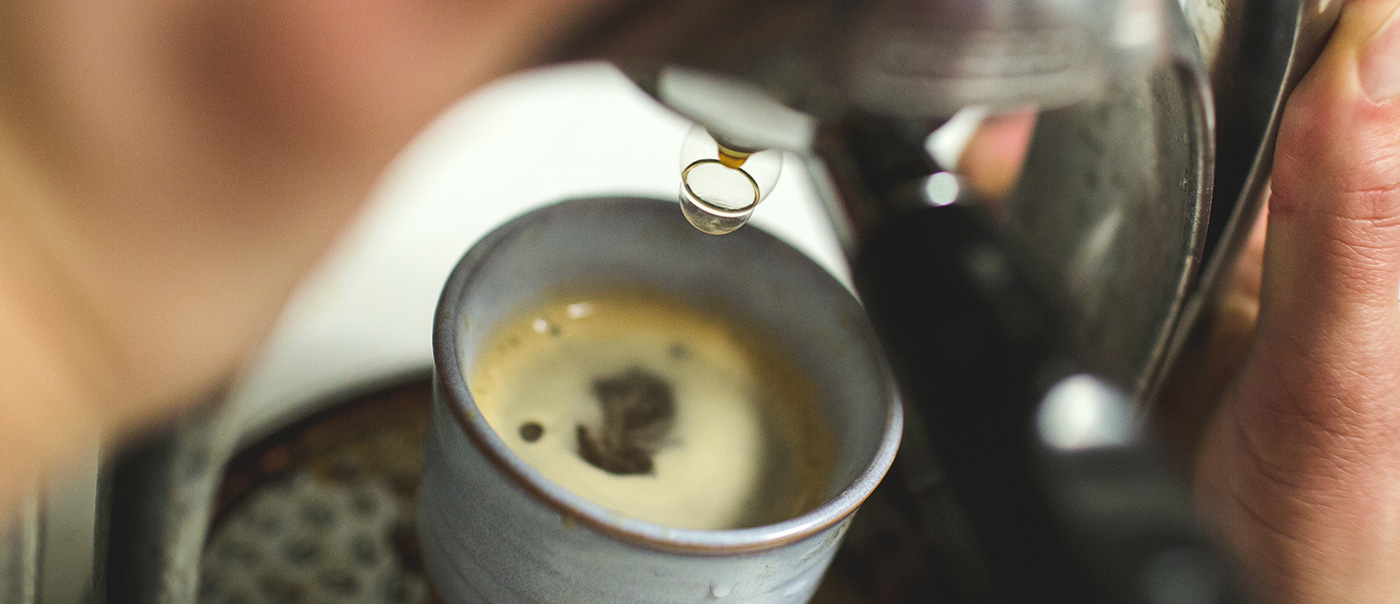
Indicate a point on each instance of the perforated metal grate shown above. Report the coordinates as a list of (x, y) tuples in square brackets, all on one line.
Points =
[(306, 540), (323, 512)]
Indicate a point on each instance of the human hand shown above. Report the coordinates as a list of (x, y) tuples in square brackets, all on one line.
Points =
[(170, 169), (1299, 468)]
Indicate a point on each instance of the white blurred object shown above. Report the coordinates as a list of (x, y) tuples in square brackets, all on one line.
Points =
[(947, 144)]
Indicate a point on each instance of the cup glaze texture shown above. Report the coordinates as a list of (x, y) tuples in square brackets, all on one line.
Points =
[(493, 530)]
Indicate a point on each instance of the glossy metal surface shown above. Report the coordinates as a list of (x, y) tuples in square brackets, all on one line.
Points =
[(1114, 200), (489, 522), (1137, 98), (907, 58), (1116, 188), (1257, 51)]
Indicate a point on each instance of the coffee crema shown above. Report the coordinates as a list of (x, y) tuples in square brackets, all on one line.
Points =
[(656, 410)]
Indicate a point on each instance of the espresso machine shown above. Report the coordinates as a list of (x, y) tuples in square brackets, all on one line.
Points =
[(1062, 305), (1029, 334)]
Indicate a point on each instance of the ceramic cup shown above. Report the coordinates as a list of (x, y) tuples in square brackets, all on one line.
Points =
[(494, 530)]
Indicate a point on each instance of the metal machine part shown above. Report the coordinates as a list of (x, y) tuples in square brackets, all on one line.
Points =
[(1116, 191), (1256, 53), (1141, 543), (322, 510), (1121, 88), (1114, 198), (921, 59), (1060, 510)]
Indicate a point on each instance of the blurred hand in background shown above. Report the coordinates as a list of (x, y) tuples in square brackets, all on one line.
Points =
[(170, 169)]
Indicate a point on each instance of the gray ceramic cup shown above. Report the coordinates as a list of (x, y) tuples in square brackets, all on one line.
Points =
[(494, 530)]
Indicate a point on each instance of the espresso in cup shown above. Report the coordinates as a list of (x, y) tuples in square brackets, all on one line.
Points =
[(657, 410), (629, 411)]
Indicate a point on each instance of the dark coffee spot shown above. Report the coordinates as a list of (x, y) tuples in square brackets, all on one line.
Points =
[(531, 431), (612, 458), (638, 411), (678, 352)]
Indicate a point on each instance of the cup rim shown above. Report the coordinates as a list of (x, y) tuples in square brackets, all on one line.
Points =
[(451, 386)]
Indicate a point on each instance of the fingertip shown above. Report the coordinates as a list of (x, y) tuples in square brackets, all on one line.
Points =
[(1334, 212), (1380, 60), (1333, 124)]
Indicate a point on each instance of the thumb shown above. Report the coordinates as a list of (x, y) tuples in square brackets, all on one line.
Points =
[(1329, 323), (1333, 250), (1303, 466)]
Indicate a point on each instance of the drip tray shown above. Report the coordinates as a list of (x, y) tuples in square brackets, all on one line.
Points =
[(323, 512)]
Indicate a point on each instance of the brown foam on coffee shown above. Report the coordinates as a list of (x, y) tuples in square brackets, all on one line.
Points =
[(638, 411), (578, 388)]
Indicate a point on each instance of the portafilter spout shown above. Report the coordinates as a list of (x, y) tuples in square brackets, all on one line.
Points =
[(1114, 196), (776, 74)]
